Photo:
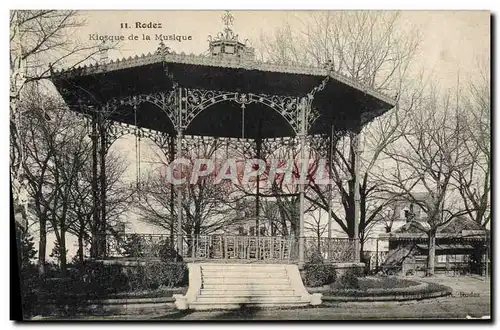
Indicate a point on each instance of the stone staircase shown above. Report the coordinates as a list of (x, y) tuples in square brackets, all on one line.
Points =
[(230, 286)]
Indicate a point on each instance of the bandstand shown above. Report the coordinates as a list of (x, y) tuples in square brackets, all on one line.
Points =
[(174, 98)]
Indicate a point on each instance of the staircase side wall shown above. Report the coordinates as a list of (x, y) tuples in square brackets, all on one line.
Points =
[(296, 281), (182, 302)]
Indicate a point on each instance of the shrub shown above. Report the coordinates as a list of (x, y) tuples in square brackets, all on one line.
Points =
[(134, 246), (168, 254), (26, 248), (349, 280), (102, 279), (136, 276), (96, 280), (316, 258), (29, 290), (317, 273), (153, 275), (410, 272), (28, 273), (174, 274)]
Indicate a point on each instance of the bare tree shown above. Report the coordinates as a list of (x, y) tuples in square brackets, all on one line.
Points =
[(69, 160), (368, 47), (387, 217), (55, 147), (118, 197), (39, 41), (40, 146), (474, 182), (284, 193), (204, 204), (272, 213), (281, 48), (365, 45), (427, 157), (37, 38), (57, 170), (316, 225)]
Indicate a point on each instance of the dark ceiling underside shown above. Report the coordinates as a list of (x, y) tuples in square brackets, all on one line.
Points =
[(338, 104)]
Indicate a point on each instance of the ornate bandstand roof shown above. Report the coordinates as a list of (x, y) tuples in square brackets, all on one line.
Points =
[(142, 90)]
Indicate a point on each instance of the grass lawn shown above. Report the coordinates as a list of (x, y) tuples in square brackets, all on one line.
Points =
[(136, 294), (366, 283), (369, 283), (383, 287), (158, 293)]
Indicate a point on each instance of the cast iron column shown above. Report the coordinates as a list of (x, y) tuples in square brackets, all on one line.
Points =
[(95, 199), (171, 146), (102, 151), (179, 190), (303, 105), (179, 199), (330, 189), (357, 198), (258, 142)]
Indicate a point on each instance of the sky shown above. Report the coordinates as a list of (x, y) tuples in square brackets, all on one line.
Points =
[(451, 40), (451, 43)]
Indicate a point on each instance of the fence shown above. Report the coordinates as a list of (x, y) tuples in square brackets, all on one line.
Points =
[(266, 248)]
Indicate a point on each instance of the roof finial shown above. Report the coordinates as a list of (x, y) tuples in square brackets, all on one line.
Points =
[(228, 19), (226, 43)]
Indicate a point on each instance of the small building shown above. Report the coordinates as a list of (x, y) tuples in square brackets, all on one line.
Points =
[(390, 219), (462, 247)]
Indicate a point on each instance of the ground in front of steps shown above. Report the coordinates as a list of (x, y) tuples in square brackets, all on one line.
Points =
[(471, 298), (451, 307)]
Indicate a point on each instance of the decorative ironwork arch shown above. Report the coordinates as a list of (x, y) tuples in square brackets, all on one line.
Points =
[(313, 115), (117, 130), (166, 101), (199, 100)]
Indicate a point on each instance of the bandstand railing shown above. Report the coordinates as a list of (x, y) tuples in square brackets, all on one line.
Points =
[(231, 247)]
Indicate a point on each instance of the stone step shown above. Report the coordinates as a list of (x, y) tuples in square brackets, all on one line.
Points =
[(243, 267), (247, 287), (249, 292), (247, 299), (215, 305), (243, 275), (251, 281), (228, 286)]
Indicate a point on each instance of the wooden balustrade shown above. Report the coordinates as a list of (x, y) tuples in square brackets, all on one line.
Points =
[(266, 248), (238, 247)]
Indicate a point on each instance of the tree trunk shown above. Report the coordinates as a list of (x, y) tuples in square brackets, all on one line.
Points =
[(42, 246), (432, 252), (361, 250), (95, 226), (62, 252), (19, 245), (171, 153), (284, 227), (318, 236), (80, 247), (294, 229), (172, 231)]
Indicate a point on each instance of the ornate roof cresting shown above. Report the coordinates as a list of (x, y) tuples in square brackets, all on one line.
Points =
[(227, 43), (226, 51)]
